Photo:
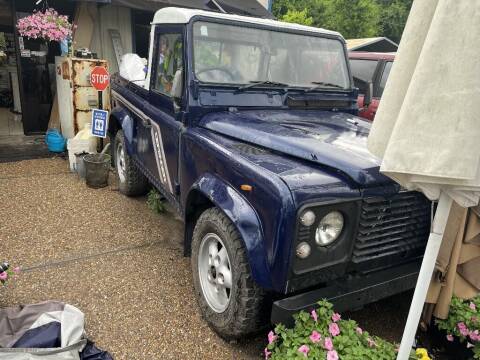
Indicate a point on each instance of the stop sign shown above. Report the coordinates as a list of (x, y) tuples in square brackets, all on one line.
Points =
[(100, 78)]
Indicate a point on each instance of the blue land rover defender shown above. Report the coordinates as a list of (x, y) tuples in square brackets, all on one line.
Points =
[(247, 127)]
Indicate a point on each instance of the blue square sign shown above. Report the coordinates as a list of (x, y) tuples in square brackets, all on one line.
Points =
[(99, 123)]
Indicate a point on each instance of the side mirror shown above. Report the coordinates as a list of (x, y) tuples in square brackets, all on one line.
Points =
[(367, 99)]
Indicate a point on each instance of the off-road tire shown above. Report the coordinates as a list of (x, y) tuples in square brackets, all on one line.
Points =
[(135, 183), (248, 308)]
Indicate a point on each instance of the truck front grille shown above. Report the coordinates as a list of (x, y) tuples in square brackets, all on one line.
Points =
[(392, 229)]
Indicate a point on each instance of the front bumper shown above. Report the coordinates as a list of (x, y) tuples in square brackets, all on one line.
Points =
[(349, 294)]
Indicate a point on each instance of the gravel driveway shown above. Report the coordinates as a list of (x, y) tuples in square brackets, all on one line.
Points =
[(122, 265)]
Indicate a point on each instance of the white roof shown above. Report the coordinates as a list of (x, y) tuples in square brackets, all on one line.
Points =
[(176, 15)]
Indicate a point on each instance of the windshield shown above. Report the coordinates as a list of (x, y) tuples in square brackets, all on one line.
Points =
[(230, 54)]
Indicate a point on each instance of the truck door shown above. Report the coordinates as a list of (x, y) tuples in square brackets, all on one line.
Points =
[(162, 131)]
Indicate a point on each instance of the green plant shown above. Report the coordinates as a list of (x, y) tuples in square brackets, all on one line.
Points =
[(463, 322), (155, 201), (322, 334), (298, 17)]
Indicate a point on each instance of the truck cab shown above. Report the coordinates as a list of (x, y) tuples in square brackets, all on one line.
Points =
[(248, 128)]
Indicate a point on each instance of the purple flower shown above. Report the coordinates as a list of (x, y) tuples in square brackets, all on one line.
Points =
[(266, 353), (333, 329), (473, 306), (450, 337), (304, 349)]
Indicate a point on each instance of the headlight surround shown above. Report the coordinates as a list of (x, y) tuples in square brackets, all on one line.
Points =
[(329, 228)]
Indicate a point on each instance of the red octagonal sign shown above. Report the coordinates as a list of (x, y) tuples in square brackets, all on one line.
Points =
[(100, 78)]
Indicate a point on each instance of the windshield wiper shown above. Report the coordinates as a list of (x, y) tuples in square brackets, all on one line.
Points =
[(322, 85), (260, 83)]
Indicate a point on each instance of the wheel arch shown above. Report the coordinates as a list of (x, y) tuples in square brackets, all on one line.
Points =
[(210, 191), (120, 119)]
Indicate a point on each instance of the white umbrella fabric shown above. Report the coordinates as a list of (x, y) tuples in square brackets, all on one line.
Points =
[(427, 129)]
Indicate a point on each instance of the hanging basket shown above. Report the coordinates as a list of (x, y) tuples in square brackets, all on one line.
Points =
[(47, 25)]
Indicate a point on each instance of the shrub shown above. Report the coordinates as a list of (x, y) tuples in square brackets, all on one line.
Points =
[(463, 322), (322, 334), (155, 201)]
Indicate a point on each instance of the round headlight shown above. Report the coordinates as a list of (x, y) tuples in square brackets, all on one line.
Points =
[(307, 218), (329, 228), (303, 250)]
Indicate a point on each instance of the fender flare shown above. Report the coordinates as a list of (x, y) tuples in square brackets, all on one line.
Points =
[(244, 218), (120, 118)]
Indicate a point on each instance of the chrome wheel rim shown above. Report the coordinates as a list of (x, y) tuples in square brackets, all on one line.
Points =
[(215, 272), (120, 162)]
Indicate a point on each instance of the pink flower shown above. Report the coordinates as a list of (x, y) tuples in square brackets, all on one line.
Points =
[(371, 343), (359, 330), (3, 276), (315, 337), (332, 355), (463, 328), (333, 329), (474, 335), (328, 344), (336, 317), (314, 315), (16, 270), (473, 306), (450, 337), (266, 353), (271, 337), (304, 349)]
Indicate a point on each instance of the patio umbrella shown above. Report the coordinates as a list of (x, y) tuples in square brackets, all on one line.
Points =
[(456, 269), (427, 127)]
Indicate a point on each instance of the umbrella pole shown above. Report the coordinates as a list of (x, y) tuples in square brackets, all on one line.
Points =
[(425, 275)]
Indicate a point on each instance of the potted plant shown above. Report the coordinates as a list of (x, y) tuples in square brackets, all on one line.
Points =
[(47, 25)]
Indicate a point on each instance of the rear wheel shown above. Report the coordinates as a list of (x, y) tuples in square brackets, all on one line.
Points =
[(230, 301), (131, 181)]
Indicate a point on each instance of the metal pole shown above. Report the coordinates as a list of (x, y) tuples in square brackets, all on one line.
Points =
[(425, 275)]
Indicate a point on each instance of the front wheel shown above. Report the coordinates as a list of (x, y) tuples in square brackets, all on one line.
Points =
[(230, 301), (131, 181)]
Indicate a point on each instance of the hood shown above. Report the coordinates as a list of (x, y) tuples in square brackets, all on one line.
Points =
[(334, 140)]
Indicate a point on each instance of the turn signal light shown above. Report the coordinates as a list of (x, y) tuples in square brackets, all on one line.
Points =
[(245, 187)]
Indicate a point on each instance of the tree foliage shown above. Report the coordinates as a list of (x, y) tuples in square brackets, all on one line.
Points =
[(298, 17), (352, 18)]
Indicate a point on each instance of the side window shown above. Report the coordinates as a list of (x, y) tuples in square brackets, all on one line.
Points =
[(169, 61), (383, 80), (363, 70)]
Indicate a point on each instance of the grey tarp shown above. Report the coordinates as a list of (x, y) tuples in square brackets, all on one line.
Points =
[(48, 331)]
